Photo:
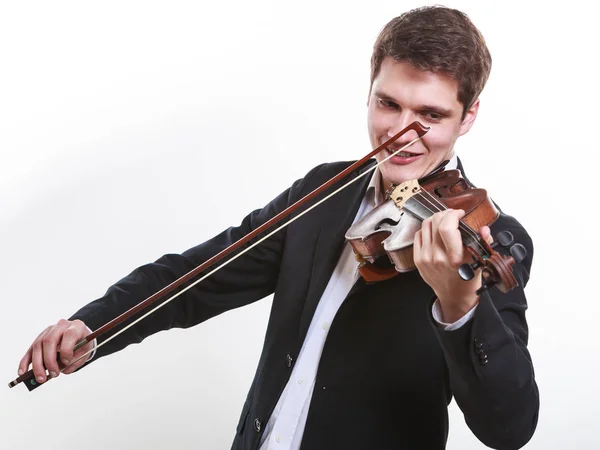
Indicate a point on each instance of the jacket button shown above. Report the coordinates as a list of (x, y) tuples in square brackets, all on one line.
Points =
[(483, 359), (257, 425), (288, 360), (477, 343)]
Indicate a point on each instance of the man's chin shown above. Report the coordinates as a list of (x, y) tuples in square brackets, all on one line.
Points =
[(402, 175)]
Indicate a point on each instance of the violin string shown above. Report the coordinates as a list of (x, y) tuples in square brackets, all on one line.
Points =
[(370, 169), (437, 206), (434, 200), (463, 227)]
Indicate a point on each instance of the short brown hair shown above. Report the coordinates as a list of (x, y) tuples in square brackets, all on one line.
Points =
[(439, 40)]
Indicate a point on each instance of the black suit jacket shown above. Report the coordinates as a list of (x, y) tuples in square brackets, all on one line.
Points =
[(387, 371)]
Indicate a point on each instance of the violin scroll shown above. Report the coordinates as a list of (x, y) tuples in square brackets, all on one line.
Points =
[(497, 268)]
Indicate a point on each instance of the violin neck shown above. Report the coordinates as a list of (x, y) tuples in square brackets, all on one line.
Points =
[(423, 208)]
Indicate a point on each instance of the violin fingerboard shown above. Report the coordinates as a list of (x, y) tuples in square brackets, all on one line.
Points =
[(417, 209)]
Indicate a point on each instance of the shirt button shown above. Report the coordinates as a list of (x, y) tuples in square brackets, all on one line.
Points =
[(326, 325), (257, 425), (278, 438), (300, 381)]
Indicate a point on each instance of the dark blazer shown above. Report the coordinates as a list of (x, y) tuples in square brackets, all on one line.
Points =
[(387, 371)]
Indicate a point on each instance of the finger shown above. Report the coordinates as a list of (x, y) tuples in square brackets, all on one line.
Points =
[(79, 359), (426, 239), (451, 237), (486, 234), (436, 240), (50, 344), (73, 334), (417, 245), (418, 241), (24, 363), (37, 360), (74, 366), (28, 357)]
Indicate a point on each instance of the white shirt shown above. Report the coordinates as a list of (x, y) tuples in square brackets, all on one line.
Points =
[(285, 427)]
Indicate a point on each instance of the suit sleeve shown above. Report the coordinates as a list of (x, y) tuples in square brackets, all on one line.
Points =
[(490, 368), (249, 278)]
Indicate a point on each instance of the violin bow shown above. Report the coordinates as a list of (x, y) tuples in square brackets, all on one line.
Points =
[(420, 129)]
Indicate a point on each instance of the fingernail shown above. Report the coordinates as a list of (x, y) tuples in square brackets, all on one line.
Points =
[(40, 379), (65, 361), (53, 374), (21, 372)]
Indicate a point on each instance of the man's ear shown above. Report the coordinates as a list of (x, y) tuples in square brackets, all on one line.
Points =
[(469, 119)]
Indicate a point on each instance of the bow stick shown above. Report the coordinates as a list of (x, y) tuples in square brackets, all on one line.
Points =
[(29, 377)]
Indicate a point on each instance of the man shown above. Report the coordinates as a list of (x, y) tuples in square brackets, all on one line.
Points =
[(347, 364)]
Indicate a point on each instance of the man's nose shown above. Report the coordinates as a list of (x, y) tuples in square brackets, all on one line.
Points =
[(401, 121)]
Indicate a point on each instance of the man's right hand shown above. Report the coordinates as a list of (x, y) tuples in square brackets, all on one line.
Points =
[(44, 352)]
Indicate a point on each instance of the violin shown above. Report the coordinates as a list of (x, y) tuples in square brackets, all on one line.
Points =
[(370, 243), (383, 239)]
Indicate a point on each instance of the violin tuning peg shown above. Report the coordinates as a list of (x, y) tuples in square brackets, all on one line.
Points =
[(467, 271), (518, 252), (503, 239)]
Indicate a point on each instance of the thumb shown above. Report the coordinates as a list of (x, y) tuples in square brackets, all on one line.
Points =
[(486, 234)]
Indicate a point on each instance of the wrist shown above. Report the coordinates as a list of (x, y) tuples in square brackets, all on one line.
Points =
[(453, 311)]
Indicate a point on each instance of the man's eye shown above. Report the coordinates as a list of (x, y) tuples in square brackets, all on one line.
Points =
[(387, 103), (433, 116)]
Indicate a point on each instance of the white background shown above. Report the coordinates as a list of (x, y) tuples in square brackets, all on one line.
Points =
[(133, 129)]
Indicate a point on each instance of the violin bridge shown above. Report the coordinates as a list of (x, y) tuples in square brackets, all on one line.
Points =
[(404, 191)]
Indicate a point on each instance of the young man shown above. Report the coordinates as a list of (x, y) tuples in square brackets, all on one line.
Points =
[(347, 364)]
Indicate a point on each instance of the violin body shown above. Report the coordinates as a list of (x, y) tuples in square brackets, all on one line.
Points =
[(383, 239), (385, 231)]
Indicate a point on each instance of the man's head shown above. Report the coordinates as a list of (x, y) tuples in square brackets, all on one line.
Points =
[(429, 64)]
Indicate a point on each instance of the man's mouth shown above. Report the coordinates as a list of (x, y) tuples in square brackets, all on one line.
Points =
[(402, 154)]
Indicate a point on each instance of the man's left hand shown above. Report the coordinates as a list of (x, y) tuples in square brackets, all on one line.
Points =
[(438, 253)]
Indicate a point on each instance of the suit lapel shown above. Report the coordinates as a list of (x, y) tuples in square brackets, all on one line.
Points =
[(460, 167), (334, 220)]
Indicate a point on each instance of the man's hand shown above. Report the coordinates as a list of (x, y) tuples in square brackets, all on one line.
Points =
[(438, 253), (62, 338)]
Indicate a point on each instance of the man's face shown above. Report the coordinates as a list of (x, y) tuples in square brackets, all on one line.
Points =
[(402, 94)]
